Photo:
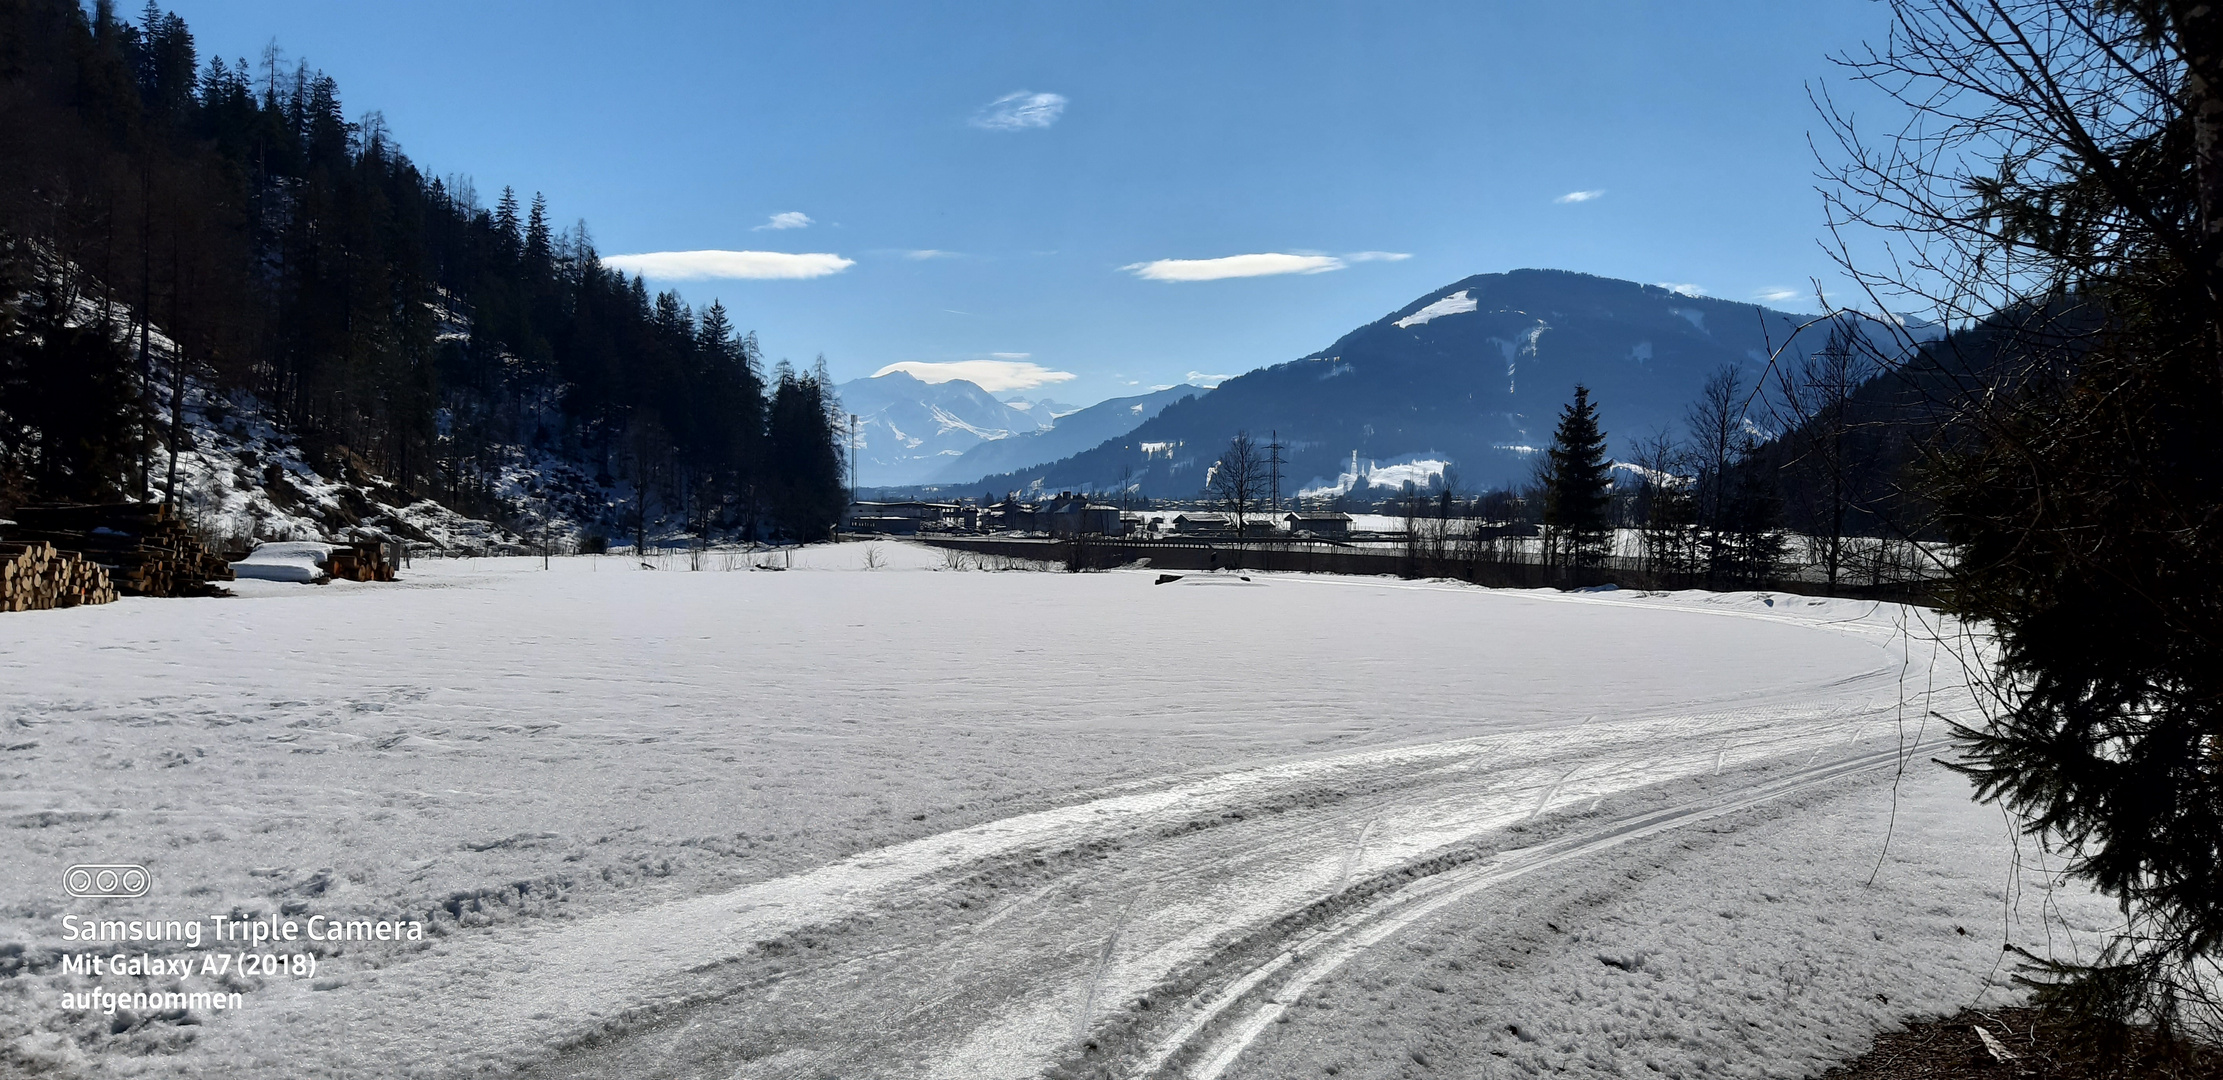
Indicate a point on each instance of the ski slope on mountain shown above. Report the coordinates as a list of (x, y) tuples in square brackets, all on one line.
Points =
[(905, 820)]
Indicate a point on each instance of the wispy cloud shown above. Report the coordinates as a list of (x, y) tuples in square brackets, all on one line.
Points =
[(1201, 379), (1681, 288), (1011, 355), (1776, 294), (1580, 196), (792, 219), (1377, 256), (1233, 266), (699, 265), (922, 254), (995, 376), (1020, 110)]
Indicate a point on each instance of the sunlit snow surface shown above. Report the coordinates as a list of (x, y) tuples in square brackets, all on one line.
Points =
[(922, 821), (1458, 303)]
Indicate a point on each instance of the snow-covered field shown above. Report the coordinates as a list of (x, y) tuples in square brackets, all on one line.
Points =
[(910, 821)]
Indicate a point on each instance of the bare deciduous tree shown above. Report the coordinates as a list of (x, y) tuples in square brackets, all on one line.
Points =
[(1716, 422), (1816, 393), (1238, 480)]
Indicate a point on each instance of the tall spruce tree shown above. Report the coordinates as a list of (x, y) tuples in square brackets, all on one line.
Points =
[(1578, 496), (805, 457)]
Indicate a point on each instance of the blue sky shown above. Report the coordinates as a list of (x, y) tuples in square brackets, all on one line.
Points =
[(1053, 184)]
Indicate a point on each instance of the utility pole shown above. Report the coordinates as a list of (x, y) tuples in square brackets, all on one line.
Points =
[(1273, 457), (853, 459)]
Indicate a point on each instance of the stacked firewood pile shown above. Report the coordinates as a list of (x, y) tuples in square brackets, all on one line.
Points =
[(145, 550), (36, 576), (360, 560)]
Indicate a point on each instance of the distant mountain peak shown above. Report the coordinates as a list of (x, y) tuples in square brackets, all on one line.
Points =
[(1470, 376)]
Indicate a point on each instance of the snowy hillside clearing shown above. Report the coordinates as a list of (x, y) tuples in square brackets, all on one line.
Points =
[(908, 821)]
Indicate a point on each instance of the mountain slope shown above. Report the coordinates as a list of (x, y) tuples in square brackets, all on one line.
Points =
[(1074, 433), (911, 429), (1472, 374)]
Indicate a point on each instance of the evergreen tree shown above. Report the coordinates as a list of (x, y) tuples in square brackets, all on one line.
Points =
[(537, 250), (2062, 169), (805, 458), (72, 420), (381, 313), (506, 227), (1578, 479)]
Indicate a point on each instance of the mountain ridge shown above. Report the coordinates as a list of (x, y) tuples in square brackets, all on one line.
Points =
[(1469, 375)]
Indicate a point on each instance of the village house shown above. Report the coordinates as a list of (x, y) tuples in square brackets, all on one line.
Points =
[(901, 518), (1075, 515), (1201, 521), (1330, 526)]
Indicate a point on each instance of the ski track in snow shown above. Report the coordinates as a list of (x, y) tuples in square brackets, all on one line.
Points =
[(981, 951)]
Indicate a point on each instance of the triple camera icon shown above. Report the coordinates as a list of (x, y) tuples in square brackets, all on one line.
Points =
[(107, 881)]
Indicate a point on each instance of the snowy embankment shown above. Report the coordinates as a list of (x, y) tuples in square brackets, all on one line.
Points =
[(917, 822)]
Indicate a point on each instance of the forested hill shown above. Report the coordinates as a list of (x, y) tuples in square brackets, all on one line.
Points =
[(379, 314)]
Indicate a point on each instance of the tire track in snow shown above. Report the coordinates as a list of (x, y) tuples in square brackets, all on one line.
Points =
[(1006, 988), (1259, 996)]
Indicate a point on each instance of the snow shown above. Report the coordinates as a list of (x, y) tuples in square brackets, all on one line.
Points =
[(1420, 472), (1457, 303), (1513, 350), (875, 816), (295, 561), (948, 422)]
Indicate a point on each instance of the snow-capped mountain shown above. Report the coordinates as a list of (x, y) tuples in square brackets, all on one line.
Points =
[(910, 429), (1075, 431), (1471, 375), (1042, 408)]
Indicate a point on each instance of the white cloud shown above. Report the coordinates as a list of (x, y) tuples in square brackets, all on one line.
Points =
[(696, 265), (1682, 289), (1377, 256), (1233, 266), (994, 376), (1020, 110), (792, 219), (1579, 196), (1011, 355), (1201, 379), (1776, 294), (929, 253)]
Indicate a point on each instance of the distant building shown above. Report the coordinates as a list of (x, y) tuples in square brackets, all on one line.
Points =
[(1074, 515), (902, 518), (1010, 515), (887, 524), (1201, 521), (1330, 525)]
